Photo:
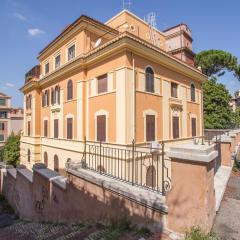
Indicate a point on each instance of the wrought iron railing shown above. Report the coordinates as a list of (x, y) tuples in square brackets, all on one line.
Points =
[(140, 166)]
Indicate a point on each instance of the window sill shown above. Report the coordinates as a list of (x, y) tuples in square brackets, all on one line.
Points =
[(150, 93), (102, 94)]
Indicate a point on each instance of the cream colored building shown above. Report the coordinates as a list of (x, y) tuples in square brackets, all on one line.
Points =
[(11, 119), (111, 82)]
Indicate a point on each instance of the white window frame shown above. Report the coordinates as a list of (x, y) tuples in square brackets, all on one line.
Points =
[(100, 113), (67, 48), (150, 112)]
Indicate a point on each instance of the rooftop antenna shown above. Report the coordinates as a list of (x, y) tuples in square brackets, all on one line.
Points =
[(127, 4), (150, 19)]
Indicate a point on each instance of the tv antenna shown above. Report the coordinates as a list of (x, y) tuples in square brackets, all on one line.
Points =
[(151, 20), (127, 4)]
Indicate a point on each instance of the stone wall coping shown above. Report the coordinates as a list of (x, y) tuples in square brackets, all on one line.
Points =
[(143, 196), (26, 173), (193, 152), (60, 181), (47, 173), (12, 172)]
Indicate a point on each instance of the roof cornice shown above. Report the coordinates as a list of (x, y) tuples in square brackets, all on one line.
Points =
[(125, 41)]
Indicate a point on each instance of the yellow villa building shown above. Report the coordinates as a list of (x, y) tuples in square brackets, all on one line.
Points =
[(115, 82)]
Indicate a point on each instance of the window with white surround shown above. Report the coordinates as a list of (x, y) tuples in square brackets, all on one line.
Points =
[(174, 90), (149, 80), (1, 138), (71, 52), (47, 68), (102, 83), (57, 61), (2, 126), (2, 101), (193, 93)]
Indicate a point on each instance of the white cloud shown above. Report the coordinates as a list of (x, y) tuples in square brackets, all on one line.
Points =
[(35, 32), (8, 84), (18, 16)]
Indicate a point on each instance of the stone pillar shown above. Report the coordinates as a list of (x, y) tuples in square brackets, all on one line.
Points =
[(191, 200)]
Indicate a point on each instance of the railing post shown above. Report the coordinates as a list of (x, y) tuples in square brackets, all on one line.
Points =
[(100, 157), (133, 159), (163, 166)]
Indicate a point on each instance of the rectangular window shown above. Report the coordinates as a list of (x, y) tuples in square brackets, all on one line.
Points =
[(101, 128), (150, 128), (174, 88), (194, 127), (2, 126), (2, 102), (46, 68), (3, 114), (55, 128), (1, 138), (69, 128), (28, 128), (102, 83), (57, 61), (45, 128), (175, 125), (71, 52)]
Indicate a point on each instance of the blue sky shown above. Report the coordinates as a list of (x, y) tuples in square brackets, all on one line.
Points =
[(27, 26)]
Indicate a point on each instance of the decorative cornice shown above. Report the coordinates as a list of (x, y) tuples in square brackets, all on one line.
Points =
[(123, 42)]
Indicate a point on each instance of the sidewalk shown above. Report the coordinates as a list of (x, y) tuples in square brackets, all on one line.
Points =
[(227, 222)]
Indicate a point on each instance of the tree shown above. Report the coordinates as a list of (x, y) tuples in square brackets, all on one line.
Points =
[(216, 97), (216, 62), (11, 152), (217, 112)]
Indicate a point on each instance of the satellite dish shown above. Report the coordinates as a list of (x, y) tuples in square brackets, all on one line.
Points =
[(98, 42)]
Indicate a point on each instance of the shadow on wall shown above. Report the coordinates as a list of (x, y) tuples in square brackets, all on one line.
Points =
[(43, 195)]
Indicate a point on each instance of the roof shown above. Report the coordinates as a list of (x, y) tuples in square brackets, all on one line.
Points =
[(178, 25), (71, 26), (4, 95)]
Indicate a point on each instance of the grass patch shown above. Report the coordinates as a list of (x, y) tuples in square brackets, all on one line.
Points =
[(236, 166), (197, 234)]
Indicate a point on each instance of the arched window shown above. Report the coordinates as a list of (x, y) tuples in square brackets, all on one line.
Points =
[(29, 155), (69, 90), (45, 156), (149, 80), (57, 95), (46, 97), (193, 93), (151, 177), (56, 163)]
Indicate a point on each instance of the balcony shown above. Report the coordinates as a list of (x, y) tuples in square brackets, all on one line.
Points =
[(34, 73)]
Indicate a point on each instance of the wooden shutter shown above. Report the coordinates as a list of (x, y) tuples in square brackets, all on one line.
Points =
[(194, 127), (101, 128), (175, 127), (45, 128), (174, 90), (29, 128), (102, 84), (69, 128), (69, 90), (150, 128), (55, 128), (56, 163)]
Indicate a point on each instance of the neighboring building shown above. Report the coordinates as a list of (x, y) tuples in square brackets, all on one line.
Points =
[(235, 102), (11, 119), (111, 82), (179, 43)]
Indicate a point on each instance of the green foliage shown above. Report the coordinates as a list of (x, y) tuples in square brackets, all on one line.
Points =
[(11, 153), (216, 62), (197, 234), (216, 98), (217, 112)]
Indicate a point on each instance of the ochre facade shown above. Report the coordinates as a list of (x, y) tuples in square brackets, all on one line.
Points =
[(123, 51)]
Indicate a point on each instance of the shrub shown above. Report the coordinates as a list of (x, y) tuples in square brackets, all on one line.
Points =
[(197, 234)]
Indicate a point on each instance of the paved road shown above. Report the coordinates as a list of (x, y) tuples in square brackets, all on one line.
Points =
[(227, 222)]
